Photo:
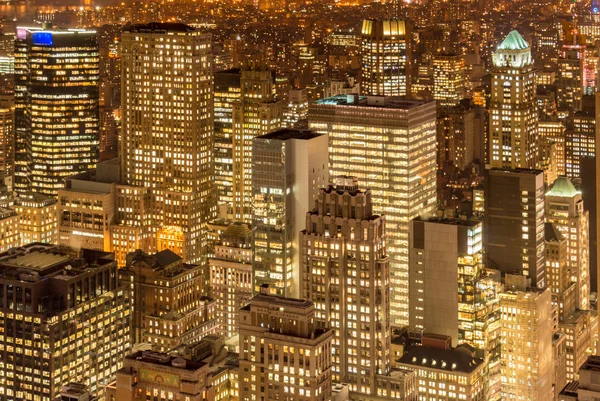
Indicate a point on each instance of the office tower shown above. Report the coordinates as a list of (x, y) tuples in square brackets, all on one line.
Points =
[(86, 207), (162, 376), (231, 275), (7, 53), (513, 114), (451, 293), (580, 141), (448, 78), (288, 169), (258, 112), (570, 78), (553, 131), (56, 109), (587, 387), (297, 107), (564, 208), (557, 272), (170, 306), (167, 134), (37, 218), (402, 179), (514, 221), (9, 229), (227, 92), (345, 272), (546, 160), (580, 329), (283, 354), (7, 135), (386, 57), (446, 373), (526, 344), (456, 132), (70, 317)]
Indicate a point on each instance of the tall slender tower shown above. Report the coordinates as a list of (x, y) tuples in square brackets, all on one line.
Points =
[(56, 107), (513, 113), (386, 57), (345, 272), (167, 134)]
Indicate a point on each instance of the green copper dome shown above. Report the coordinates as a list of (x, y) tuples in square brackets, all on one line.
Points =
[(563, 187), (513, 41)]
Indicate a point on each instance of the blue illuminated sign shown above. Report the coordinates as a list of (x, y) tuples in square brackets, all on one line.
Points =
[(42, 38)]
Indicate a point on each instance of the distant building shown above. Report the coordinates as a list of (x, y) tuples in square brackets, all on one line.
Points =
[(73, 314), (37, 218), (513, 112), (386, 57)]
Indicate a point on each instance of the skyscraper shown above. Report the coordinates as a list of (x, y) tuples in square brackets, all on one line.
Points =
[(258, 112), (56, 107), (564, 208), (386, 57), (7, 134), (389, 144), (514, 221), (70, 319), (580, 141), (570, 78), (288, 169), (167, 133), (513, 113), (448, 78), (345, 272)]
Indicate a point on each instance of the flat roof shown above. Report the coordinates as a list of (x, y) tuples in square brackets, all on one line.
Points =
[(285, 134), (37, 260), (159, 27), (162, 359), (385, 102)]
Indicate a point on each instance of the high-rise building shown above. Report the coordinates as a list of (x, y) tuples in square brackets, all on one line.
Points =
[(283, 354), (514, 221), (170, 302), (288, 169), (56, 108), (580, 141), (258, 112), (564, 208), (386, 57), (448, 78), (297, 107), (70, 320), (451, 293), (37, 218), (587, 387), (570, 78), (445, 373), (553, 131), (557, 272), (227, 92), (231, 275), (9, 229), (7, 135), (167, 134), (345, 272), (402, 178), (580, 331), (456, 136), (513, 112), (86, 207), (526, 344)]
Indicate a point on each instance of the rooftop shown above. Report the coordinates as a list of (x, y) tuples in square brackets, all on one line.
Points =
[(387, 102), (458, 359), (285, 134), (455, 221), (564, 188), (513, 41), (159, 27), (38, 260), (162, 359), (592, 363)]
